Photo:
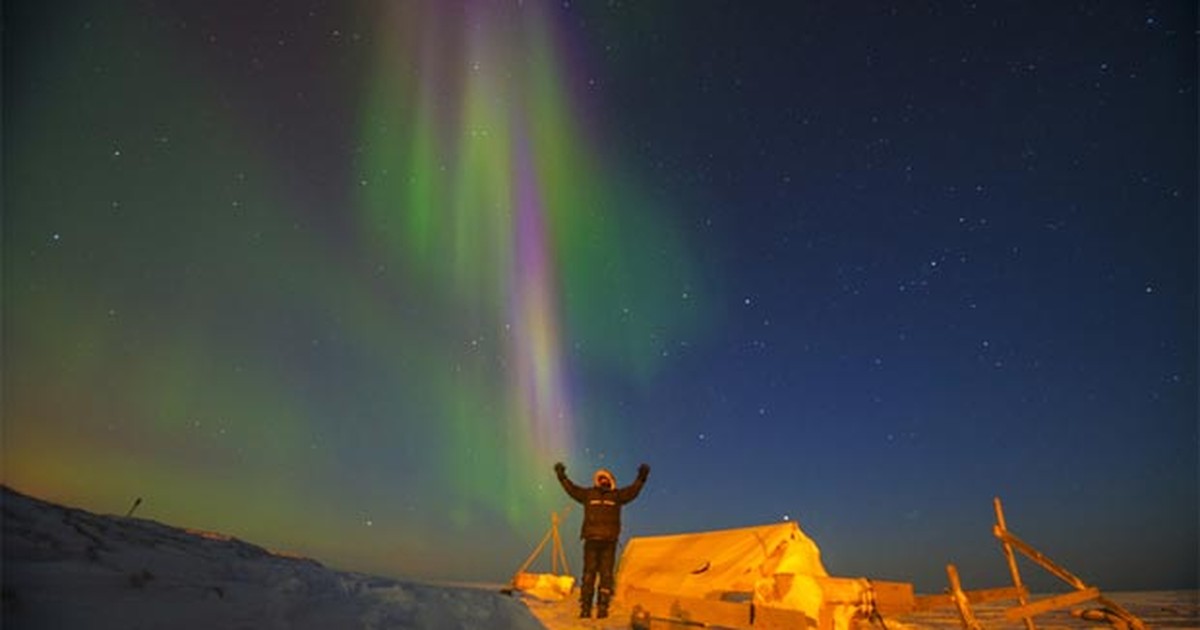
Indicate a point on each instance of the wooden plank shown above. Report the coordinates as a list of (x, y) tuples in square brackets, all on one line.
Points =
[(557, 551), (923, 603), (1133, 620), (893, 598), (784, 619), (533, 556), (1001, 530), (1041, 558), (960, 600), (1051, 603), (890, 597)]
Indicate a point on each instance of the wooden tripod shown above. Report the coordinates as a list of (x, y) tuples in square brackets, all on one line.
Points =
[(556, 553)]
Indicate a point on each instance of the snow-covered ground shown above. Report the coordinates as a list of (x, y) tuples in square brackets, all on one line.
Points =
[(67, 568), (1158, 609)]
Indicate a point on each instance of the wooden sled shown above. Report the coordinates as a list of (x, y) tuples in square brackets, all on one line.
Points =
[(1112, 613)]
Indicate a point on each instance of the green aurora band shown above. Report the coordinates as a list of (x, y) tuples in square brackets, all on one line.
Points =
[(180, 327), (477, 176)]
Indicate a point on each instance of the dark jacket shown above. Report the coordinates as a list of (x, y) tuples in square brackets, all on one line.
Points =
[(601, 508)]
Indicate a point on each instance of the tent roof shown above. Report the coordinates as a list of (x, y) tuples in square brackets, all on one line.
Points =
[(709, 564)]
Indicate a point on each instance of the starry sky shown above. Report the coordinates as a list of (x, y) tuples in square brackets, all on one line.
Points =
[(347, 278)]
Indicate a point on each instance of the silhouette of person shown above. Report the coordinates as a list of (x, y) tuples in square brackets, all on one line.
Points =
[(601, 528)]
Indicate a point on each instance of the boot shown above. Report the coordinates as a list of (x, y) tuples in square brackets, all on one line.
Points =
[(585, 609), (602, 604)]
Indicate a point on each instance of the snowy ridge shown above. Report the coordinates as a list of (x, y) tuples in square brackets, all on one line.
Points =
[(68, 568)]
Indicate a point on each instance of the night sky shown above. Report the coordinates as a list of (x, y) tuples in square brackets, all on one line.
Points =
[(347, 278)]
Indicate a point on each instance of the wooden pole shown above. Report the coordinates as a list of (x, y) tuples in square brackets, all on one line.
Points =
[(1052, 603), (557, 543), (1001, 532), (556, 553), (1049, 565), (558, 547), (980, 596), (960, 600), (533, 556), (1118, 610)]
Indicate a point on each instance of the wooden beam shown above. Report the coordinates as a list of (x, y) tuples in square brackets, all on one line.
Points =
[(533, 556), (1001, 530), (1052, 603), (556, 553), (766, 618), (893, 598), (978, 596), (1131, 619), (960, 600), (1041, 558)]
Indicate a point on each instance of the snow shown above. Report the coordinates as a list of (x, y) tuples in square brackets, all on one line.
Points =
[(564, 615), (67, 568), (1157, 609)]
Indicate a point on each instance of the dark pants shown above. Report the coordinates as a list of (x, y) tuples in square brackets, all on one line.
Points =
[(598, 557)]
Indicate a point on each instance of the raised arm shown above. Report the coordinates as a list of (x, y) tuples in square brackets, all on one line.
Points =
[(630, 492), (575, 492)]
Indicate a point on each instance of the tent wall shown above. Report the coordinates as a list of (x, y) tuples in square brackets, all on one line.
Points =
[(770, 576), (709, 564)]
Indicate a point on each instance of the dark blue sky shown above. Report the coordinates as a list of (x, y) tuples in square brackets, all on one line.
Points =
[(957, 250), (865, 267)]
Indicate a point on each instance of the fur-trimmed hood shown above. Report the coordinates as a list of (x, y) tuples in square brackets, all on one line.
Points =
[(604, 472)]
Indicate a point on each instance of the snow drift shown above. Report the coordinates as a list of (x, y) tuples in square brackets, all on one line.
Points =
[(68, 568)]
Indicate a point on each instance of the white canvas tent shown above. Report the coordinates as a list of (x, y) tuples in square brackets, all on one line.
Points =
[(745, 577), (706, 564)]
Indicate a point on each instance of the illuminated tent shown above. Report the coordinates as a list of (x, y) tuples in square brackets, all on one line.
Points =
[(731, 576), (706, 564)]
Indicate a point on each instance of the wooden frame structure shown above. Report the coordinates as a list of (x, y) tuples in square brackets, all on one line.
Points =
[(522, 580), (1026, 609)]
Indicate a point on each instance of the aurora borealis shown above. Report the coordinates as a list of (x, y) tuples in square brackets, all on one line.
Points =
[(478, 176), (347, 278), (400, 356)]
